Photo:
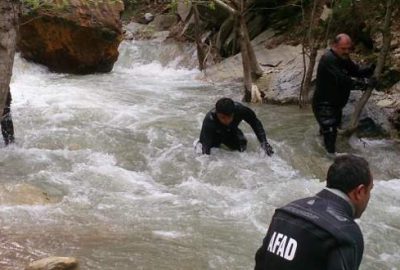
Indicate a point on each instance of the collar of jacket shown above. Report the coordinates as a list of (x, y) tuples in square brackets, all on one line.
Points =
[(340, 197)]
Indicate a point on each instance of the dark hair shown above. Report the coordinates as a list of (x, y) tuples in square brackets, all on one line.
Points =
[(225, 106), (348, 172)]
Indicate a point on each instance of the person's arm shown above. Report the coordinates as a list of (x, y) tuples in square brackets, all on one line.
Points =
[(331, 66), (360, 71), (250, 117), (207, 134)]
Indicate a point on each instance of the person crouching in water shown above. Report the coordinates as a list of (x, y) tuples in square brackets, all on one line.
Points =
[(220, 126)]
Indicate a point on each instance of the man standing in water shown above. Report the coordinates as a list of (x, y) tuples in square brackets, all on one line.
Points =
[(220, 126), (334, 83), (319, 232), (7, 127)]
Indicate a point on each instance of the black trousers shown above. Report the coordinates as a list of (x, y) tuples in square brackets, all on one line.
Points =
[(329, 119), (7, 127)]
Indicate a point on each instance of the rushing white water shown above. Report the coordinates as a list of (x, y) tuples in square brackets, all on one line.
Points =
[(114, 154)]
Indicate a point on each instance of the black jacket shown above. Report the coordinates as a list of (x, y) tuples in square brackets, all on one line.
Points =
[(316, 233), (213, 131), (334, 79)]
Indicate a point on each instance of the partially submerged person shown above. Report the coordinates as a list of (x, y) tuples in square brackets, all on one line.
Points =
[(334, 82), (7, 127), (319, 233), (220, 126)]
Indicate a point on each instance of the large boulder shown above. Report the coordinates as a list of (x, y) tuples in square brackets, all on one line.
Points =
[(283, 70), (77, 36)]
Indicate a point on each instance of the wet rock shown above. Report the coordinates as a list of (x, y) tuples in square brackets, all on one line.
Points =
[(135, 30), (25, 194), (164, 22), (148, 17), (54, 263), (283, 70), (382, 109), (395, 120), (82, 37)]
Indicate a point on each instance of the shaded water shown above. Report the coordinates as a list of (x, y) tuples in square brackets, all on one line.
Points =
[(115, 150)]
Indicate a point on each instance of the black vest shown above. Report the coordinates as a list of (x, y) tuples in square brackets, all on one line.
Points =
[(303, 234)]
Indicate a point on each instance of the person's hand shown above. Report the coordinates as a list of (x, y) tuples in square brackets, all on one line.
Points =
[(371, 68), (267, 148)]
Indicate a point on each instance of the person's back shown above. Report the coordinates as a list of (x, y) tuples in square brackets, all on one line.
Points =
[(319, 233), (315, 226)]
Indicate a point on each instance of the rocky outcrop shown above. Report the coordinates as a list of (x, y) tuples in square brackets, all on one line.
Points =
[(54, 263), (283, 70), (73, 36)]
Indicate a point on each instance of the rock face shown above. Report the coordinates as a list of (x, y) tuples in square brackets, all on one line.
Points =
[(54, 263), (280, 83), (76, 36)]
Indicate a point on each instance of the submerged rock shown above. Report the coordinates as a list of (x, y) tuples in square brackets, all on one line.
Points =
[(25, 194), (54, 263), (76, 36)]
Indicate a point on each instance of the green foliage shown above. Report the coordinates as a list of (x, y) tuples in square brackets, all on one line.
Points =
[(130, 3), (35, 4), (344, 4)]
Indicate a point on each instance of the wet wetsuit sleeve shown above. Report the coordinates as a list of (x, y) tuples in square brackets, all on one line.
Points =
[(250, 117), (207, 134), (357, 71)]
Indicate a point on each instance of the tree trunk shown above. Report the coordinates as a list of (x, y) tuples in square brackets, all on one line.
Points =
[(8, 34), (387, 37), (313, 43), (305, 90), (199, 43), (256, 69), (248, 81)]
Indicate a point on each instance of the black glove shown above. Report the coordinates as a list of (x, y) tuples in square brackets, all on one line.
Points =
[(267, 148), (372, 83)]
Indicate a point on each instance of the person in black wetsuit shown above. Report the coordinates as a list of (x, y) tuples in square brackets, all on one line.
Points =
[(334, 83), (319, 233), (7, 127), (220, 126)]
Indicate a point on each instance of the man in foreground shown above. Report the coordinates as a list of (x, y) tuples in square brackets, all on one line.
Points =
[(334, 83), (220, 126), (319, 233)]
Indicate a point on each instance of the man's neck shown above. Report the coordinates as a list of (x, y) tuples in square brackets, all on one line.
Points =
[(342, 195)]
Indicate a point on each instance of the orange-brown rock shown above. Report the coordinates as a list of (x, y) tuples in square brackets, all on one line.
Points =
[(75, 36)]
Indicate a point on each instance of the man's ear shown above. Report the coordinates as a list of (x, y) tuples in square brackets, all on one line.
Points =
[(357, 193)]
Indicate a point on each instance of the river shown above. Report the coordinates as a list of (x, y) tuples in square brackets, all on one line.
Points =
[(114, 151)]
